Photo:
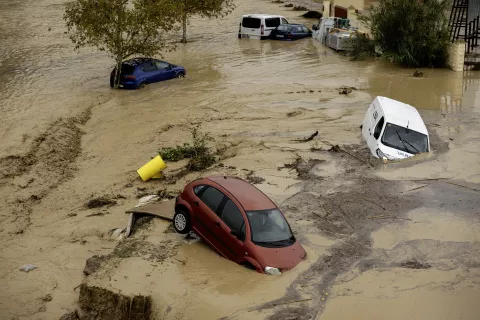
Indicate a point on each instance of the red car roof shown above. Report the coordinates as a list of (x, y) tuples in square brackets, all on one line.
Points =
[(249, 196)]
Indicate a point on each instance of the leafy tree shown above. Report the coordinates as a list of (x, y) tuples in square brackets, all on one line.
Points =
[(122, 28), (412, 33), (203, 8)]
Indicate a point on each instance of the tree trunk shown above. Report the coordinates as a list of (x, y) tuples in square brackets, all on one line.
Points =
[(119, 42), (117, 73), (184, 26)]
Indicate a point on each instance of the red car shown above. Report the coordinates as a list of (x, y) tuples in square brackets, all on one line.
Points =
[(240, 222)]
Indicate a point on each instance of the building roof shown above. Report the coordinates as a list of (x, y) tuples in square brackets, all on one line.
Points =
[(249, 196)]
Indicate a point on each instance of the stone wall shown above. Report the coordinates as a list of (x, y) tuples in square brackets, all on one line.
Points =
[(456, 56)]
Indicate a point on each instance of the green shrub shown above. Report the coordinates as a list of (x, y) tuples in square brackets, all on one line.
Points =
[(198, 152), (361, 47), (412, 33)]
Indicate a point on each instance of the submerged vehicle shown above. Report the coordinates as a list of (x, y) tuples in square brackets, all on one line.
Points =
[(138, 72), (394, 130), (334, 32), (290, 31), (259, 26), (240, 222)]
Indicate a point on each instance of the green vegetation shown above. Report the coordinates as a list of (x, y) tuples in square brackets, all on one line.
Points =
[(198, 151), (202, 8), (411, 33), (122, 28), (362, 47)]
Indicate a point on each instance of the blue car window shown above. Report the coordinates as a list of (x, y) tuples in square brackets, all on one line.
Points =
[(149, 66), (162, 65), (298, 29)]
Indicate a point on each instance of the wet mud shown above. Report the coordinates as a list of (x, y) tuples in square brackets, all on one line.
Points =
[(384, 240)]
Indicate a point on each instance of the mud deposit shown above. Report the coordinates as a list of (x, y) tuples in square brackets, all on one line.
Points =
[(99, 303), (49, 162), (395, 240)]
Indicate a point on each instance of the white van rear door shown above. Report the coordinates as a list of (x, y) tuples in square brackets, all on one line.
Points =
[(251, 25)]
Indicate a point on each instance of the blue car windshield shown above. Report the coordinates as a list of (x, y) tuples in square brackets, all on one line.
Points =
[(269, 227)]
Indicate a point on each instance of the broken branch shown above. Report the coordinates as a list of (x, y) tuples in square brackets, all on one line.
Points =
[(289, 302), (459, 185)]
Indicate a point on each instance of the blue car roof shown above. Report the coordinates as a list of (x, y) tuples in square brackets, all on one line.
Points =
[(136, 61)]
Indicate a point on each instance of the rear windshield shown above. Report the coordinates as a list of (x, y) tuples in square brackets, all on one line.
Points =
[(127, 69), (253, 23), (284, 28), (298, 29), (404, 139), (272, 22)]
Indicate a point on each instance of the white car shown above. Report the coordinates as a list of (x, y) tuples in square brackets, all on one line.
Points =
[(394, 130), (259, 26)]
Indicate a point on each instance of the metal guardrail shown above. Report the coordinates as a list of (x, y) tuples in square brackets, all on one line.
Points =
[(472, 34)]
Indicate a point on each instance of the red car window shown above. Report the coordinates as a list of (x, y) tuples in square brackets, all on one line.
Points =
[(212, 198), (232, 217), (198, 189)]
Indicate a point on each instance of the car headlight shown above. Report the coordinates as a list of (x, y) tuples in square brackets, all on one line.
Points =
[(381, 155), (271, 270)]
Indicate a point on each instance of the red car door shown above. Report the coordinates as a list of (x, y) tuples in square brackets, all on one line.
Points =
[(207, 220), (233, 220)]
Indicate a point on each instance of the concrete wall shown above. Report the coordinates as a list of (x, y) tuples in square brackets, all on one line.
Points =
[(326, 8), (456, 55)]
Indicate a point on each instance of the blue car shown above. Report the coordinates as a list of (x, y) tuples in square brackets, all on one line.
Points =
[(290, 32), (138, 72)]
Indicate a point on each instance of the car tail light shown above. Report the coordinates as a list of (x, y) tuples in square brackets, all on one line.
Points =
[(289, 35), (262, 29), (130, 77)]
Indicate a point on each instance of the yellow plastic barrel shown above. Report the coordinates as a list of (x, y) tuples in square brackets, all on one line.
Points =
[(152, 168)]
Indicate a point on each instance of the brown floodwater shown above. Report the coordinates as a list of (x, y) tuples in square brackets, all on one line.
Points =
[(242, 91), (42, 78)]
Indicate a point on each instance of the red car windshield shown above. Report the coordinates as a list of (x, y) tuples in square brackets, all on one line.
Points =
[(269, 228)]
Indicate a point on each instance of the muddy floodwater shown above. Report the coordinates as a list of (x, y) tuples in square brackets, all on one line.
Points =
[(384, 241)]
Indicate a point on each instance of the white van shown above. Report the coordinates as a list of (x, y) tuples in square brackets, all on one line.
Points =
[(259, 26), (394, 130)]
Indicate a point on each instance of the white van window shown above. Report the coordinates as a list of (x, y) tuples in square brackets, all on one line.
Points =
[(378, 128), (404, 139), (253, 23), (284, 21), (272, 22)]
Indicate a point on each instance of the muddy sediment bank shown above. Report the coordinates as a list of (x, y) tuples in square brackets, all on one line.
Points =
[(383, 234), (100, 303), (49, 162)]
